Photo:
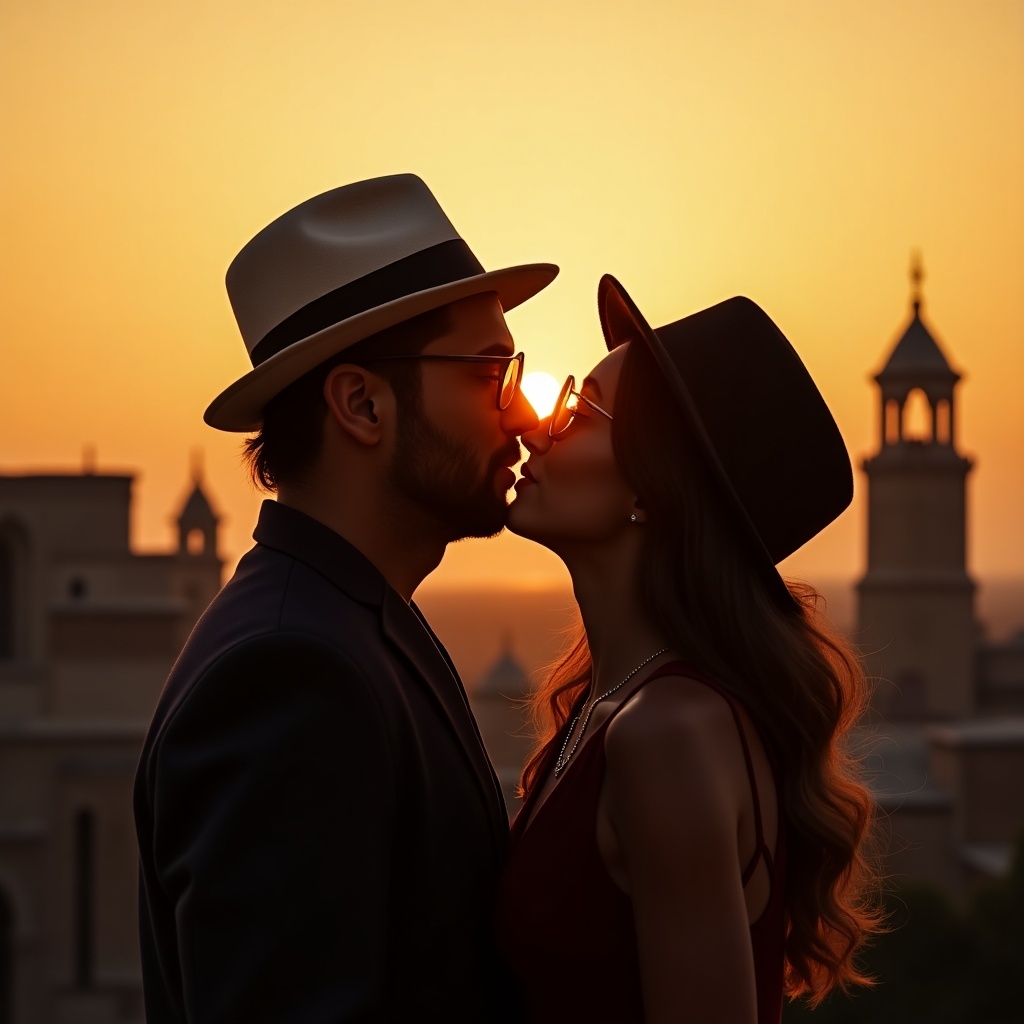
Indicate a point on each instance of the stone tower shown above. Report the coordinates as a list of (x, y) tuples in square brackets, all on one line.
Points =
[(916, 600)]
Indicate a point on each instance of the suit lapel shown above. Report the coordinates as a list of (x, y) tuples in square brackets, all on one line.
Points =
[(299, 536), (405, 628), (442, 650)]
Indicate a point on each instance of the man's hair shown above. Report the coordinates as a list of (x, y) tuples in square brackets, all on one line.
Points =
[(291, 436)]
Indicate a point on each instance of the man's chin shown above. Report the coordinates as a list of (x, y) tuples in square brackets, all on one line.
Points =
[(482, 524), (478, 534)]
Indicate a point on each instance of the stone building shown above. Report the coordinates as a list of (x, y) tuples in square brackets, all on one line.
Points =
[(498, 704), (947, 744), (88, 631)]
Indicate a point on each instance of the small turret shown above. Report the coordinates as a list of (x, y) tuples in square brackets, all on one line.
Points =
[(197, 522), (917, 373)]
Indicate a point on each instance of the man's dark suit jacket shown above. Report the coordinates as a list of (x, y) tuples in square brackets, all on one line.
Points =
[(320, 829)]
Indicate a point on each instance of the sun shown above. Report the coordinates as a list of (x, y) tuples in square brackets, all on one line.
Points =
[(541, 390)]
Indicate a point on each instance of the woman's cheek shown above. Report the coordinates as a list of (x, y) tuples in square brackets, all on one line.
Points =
[(582, 495)]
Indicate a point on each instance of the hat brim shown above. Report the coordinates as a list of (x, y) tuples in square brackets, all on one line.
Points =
[(622, 321), (239, 407)]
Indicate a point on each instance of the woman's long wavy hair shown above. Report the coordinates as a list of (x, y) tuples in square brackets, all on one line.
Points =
[(799, 679)]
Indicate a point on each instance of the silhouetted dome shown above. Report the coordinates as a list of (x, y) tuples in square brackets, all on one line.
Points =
[(917, 356), (197, 510), (505, 678)]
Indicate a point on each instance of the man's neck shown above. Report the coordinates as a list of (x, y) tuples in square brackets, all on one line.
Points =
[(404, 550)]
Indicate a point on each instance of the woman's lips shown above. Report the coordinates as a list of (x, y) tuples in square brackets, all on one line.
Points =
[(525, 480)]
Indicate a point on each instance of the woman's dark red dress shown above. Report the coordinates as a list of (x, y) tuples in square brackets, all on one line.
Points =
[(566, 929)]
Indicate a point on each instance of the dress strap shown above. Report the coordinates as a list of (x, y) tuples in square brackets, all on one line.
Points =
[(681, 668)]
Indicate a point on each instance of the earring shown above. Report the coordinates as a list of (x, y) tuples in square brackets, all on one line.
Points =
[(632, 518)]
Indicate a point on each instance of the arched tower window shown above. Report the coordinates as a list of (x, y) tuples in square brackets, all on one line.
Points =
[(918, 417), (6, 960), (85, 897), (195, 541), (892, 422), (197, 526), (943, 422)]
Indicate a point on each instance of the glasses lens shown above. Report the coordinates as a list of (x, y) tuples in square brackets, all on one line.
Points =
[(564, 408), (509, 384)]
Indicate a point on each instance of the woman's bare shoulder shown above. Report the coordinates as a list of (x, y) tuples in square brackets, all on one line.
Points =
[(674, 777), (675, 715)]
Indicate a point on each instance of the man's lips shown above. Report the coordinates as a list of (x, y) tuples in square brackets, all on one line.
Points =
[(526, 474), (509, 457)]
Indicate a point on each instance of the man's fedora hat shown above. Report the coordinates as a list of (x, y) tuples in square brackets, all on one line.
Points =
[(768, 435), (341, 267)]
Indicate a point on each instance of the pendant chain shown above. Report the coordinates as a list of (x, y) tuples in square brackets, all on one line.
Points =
[(563, 758)]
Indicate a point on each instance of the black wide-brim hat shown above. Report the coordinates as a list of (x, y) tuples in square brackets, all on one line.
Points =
[(759, 418)]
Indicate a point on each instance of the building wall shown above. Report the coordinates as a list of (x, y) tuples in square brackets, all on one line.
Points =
[(97, 629), (60, 775), (984, 776), (1001, 676), (917, 509), (920, 641)]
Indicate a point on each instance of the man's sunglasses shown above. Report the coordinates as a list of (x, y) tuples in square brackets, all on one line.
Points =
[(509, 383)]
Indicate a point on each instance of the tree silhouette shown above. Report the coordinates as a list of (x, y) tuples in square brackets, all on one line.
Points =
[(939, 964)]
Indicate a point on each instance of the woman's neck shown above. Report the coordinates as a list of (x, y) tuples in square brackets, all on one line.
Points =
[(619, 633)]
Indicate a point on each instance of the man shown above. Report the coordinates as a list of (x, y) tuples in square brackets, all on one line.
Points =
[(320, 829)]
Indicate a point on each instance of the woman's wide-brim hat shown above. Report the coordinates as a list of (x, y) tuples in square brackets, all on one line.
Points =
[(757, 415), (337, 269)]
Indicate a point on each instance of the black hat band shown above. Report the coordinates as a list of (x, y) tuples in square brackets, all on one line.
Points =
[(439, 264)]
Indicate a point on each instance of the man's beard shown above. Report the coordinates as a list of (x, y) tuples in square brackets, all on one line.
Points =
[(442, 476)]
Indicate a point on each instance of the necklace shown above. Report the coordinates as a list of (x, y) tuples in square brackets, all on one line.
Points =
[(563, 758)]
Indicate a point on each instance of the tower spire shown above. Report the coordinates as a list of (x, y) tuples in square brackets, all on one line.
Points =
[(916, 277)]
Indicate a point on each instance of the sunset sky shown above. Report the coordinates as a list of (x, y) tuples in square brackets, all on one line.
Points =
[(793, 152)]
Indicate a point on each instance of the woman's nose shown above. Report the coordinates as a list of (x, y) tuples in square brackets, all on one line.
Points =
[(538, 441)]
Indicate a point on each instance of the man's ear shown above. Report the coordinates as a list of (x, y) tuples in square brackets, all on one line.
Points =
[(359, 401)]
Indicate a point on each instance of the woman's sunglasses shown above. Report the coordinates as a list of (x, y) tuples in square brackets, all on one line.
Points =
[(566, 406)]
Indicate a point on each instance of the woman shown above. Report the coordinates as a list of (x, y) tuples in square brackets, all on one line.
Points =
[(691, 842)]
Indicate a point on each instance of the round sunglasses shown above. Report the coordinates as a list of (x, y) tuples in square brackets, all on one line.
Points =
[(507, 386), (566, 406)]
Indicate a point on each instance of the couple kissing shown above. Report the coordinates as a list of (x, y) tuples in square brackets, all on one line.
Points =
[(322, 836)]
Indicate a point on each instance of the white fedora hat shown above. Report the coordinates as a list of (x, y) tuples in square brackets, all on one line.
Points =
[(340, 267)]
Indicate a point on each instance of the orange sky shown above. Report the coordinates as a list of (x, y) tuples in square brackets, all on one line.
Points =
[(794, 152)]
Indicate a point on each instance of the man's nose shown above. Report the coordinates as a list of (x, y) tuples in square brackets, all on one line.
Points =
[(538, 441), (519, 417)]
